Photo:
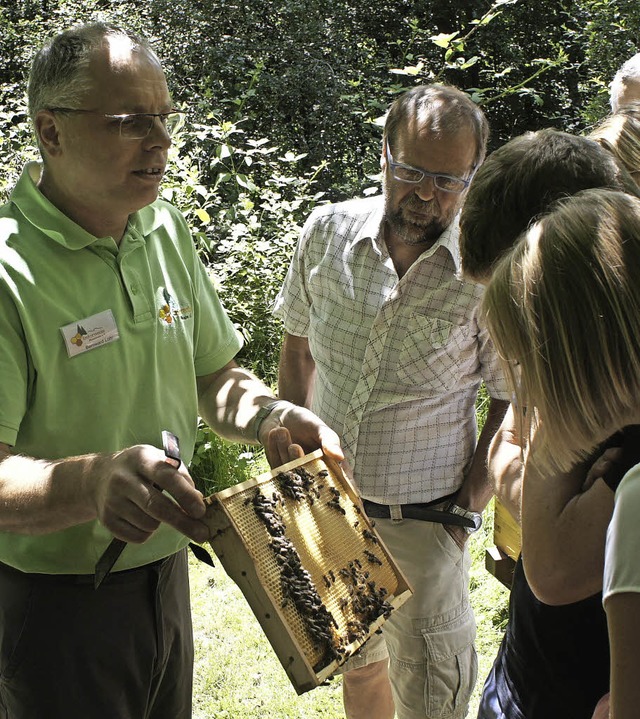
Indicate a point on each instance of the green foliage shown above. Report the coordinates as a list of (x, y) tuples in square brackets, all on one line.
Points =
[(516, 66), (245, 200), (285, 99), (610, 34), (16, 144), (218, 464), (482, 407)]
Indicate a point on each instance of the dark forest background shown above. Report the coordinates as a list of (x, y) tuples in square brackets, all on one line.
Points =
[(285, 101)]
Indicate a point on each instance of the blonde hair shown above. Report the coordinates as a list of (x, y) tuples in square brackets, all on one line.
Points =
[(563, 308), (620, 135)]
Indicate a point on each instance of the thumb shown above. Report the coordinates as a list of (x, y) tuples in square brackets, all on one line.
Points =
[(330, 443)]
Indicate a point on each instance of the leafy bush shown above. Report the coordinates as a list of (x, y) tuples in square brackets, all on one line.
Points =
[(218, 464), (245, 211), (284, 101)]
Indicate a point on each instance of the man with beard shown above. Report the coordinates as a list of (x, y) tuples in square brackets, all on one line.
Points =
[(383, 341)]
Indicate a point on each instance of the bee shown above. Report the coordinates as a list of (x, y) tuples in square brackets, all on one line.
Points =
[(370, 536), (372, 557), (335, 504)]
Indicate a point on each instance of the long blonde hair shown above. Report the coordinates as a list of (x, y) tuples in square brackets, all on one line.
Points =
[(620, 135), (563, 308)]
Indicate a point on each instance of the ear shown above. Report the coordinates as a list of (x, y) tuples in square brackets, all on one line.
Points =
[(383, 155), (48, 133)]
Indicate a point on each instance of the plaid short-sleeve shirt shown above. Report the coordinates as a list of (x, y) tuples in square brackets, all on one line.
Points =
[(398, 361)]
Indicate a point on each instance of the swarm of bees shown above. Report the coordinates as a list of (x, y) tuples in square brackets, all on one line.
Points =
[(361, 601)]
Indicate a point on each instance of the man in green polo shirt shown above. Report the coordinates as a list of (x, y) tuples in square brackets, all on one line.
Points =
[(111, 332)]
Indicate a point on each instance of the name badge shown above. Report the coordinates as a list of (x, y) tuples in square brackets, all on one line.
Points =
[(92, 332)]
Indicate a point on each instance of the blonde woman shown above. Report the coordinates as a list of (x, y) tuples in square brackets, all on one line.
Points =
[(553, 660), (563, 308), (620, 135)]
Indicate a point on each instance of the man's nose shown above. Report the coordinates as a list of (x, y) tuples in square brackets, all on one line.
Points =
[(158, 134), (426, 189)]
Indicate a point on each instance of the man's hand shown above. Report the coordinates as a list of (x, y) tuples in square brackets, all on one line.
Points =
[(291, 431), (128, 494), (458, 534), (280, 449)]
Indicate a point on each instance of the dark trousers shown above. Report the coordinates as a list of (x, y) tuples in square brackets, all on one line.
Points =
[(123, 651), (490, 705)]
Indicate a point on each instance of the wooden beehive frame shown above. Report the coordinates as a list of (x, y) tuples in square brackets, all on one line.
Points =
[(327, 538), (501, 558)]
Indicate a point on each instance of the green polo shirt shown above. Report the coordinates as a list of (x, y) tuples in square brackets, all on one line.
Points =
[(100, 349)]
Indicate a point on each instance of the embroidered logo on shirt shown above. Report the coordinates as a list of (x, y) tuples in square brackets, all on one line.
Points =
[(171, 311), (89, 333)]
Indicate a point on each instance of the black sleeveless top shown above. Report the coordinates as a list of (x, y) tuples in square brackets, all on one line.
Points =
[(553, 662)]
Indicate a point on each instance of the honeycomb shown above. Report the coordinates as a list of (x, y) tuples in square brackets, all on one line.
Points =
[(335, 542)]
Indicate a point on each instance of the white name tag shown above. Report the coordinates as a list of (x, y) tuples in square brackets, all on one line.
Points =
[(92, 332)]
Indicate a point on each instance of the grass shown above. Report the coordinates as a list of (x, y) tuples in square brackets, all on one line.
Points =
[(237, 674)]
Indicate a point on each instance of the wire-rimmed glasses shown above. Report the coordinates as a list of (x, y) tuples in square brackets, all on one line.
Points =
[(415, 175), (136, 125)]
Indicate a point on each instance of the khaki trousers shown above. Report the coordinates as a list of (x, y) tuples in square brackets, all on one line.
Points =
[(430, 639)]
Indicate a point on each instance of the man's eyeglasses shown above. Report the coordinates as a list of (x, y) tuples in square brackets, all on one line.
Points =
[(134, 126), (415, 175)]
